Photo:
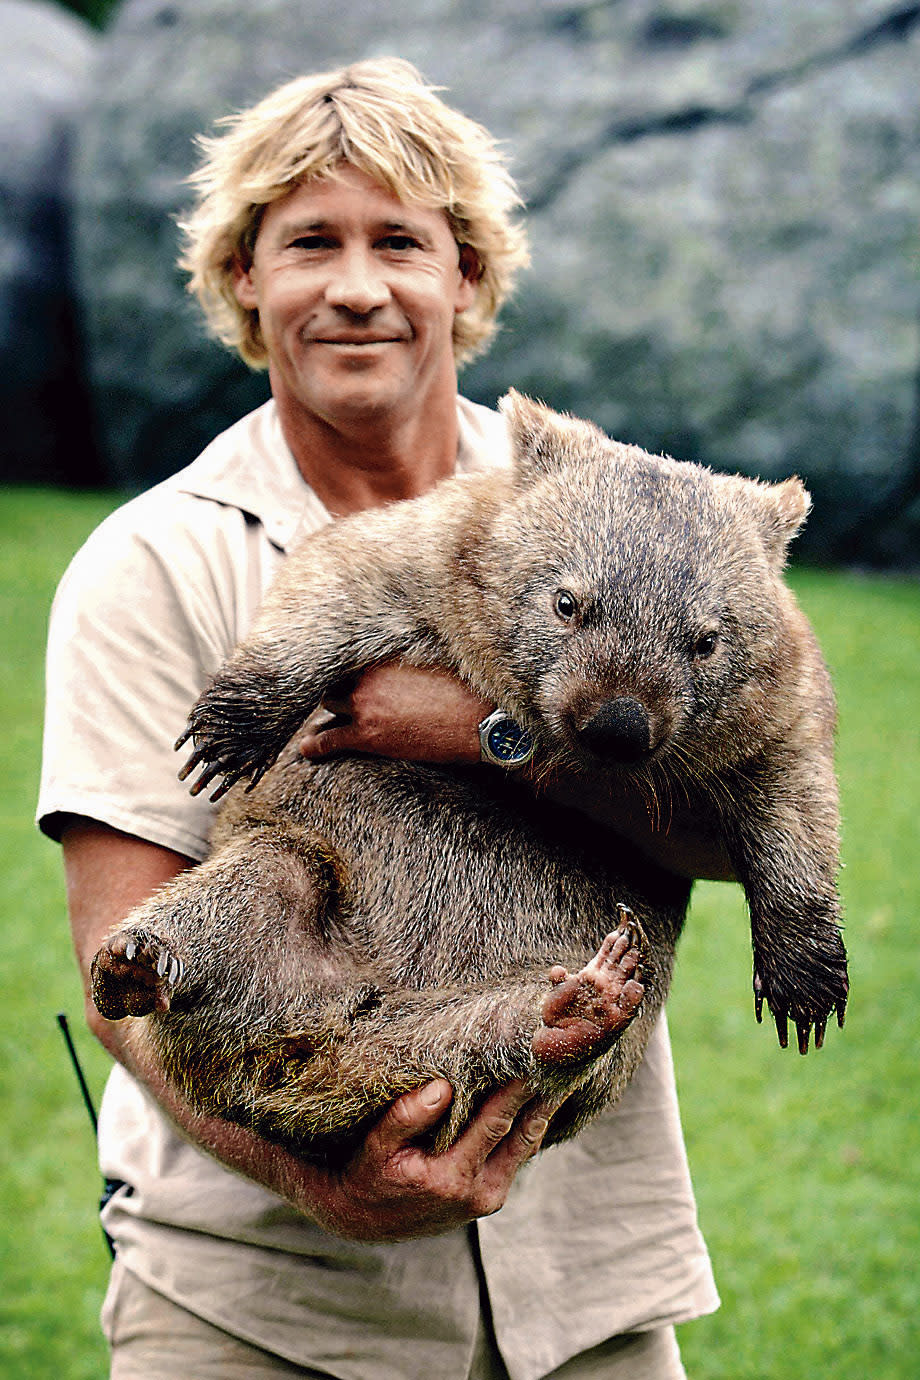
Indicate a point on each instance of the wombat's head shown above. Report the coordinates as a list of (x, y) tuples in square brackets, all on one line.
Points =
[(639, 609)]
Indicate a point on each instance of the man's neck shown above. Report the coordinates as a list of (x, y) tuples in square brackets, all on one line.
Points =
[(368, 464)]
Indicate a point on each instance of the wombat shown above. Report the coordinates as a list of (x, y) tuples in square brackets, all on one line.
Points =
[(364, 925)]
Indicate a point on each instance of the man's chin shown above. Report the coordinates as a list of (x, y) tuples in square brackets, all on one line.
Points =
[(368, 405)]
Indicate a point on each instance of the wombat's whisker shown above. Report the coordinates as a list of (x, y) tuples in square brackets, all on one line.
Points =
[(690, 772)]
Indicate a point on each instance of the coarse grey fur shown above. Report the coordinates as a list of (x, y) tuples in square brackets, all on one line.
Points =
[(364, 925)]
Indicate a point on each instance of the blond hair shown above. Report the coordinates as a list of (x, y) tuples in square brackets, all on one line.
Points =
[(380, 117)]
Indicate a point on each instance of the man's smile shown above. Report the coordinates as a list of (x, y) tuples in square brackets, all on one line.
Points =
[(354, 340)]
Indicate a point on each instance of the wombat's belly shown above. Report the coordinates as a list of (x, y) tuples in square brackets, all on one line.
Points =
[(464, 871)]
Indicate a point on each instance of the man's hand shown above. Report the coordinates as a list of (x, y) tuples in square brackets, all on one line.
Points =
[(394, 1191), (409, 713)]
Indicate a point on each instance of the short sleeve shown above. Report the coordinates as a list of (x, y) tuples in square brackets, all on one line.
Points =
[(147, 611)]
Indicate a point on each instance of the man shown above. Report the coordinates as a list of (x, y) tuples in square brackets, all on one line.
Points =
[(354, 235)]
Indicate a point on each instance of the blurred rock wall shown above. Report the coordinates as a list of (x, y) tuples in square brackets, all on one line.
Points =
[(724, 203)]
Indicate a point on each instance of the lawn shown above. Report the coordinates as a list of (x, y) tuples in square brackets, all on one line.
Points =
[(806, 1170)]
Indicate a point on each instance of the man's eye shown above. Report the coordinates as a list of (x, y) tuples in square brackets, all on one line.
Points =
[(311, 242), (399, 242)]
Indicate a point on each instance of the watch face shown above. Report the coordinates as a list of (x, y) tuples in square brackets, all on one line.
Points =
[(510, 743)]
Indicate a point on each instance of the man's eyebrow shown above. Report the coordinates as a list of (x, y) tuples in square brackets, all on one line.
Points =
[(408, 225), (293, 229), (288, 229)]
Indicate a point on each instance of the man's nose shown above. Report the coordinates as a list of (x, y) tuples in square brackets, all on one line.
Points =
[(356, 283)]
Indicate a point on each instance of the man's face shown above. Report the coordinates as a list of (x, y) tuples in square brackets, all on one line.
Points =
[(357, 293)]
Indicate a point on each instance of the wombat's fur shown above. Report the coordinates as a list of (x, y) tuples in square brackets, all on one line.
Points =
[(364, 925)]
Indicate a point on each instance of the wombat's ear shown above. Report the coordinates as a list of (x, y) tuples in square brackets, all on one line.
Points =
[(788, 505), (542, 441), (781, 508)]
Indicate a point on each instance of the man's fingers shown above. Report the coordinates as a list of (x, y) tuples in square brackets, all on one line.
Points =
[(467, 1181), (410, 1115), (325, 744), (525, 1137), (492, 1125)]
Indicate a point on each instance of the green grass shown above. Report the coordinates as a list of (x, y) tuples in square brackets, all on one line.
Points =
[(54, 1263), (806, 1170)]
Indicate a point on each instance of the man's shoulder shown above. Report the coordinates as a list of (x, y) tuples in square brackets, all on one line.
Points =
[(243, 473), (163, 526)]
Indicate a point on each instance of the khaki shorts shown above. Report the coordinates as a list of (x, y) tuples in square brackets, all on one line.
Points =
[(151, 1338)]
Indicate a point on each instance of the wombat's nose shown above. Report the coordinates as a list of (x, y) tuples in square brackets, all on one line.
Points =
[(620, 730)]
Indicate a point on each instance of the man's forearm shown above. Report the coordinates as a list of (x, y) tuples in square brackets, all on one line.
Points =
[(301, 1185)]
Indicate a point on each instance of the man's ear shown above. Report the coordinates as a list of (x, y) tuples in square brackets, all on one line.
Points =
[(470, 274), (243, 286), (470, 267)]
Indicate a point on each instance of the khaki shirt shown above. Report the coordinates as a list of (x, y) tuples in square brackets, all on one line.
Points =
[(598, 1236)]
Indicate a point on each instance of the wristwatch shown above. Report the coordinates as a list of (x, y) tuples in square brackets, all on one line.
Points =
[(503, 742)]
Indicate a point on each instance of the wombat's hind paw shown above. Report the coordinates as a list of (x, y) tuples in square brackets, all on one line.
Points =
[(588, 1010), (133, 974)]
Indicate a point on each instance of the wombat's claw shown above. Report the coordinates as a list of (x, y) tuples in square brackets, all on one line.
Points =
[(634, 931), (214, 767), (256, 776), (133, 974), (804, 1020), (207, 776), (782, 1028), (199, 756), (803, 1029), (758, 998)]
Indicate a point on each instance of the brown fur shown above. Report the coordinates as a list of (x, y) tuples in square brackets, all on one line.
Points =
[(362, 926)]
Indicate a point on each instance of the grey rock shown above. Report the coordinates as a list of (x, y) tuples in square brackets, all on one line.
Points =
[(724, 200), (44, 77)]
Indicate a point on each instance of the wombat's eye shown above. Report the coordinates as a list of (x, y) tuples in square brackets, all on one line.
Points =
[(565, 605), (705, 645)]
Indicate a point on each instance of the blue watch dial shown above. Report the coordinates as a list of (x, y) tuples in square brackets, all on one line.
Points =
[(510, 743)]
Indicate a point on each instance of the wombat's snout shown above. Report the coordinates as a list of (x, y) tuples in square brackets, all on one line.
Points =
[(620, 730)]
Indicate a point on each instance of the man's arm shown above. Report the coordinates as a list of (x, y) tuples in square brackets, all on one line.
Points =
[(391, 1190), (427, 715)]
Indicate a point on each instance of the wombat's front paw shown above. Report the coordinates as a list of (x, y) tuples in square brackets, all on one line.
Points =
[(587, 1011), (133, 974), (218, 755), (806, 992), (239, 725)]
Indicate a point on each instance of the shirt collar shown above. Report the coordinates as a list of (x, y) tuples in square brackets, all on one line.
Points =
[(250, 466)]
